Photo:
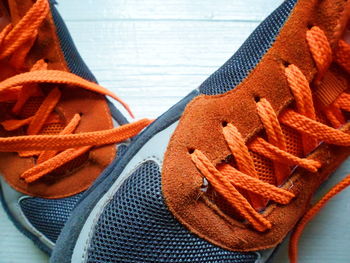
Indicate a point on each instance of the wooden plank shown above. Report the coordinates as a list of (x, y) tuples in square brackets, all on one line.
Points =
[(97, 10), (146, 58)]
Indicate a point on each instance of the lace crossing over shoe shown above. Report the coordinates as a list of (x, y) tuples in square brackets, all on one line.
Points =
[(226, 178)]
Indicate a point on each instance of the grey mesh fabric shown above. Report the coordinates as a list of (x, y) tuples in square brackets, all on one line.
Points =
[(136, 226), (49, 215), (248, 56)]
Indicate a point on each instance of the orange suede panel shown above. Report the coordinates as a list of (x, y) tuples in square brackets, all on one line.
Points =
[(95, 116), (200, 128)]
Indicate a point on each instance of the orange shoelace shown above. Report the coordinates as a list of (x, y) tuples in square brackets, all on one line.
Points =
[(52, 151), (226, 179)]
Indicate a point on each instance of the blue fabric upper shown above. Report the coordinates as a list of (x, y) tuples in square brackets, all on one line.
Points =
[(136, 225), (250, 53), (50, 215)]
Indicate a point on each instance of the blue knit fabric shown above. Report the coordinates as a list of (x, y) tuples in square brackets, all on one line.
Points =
[(248, 56), (136, 226), (49, 215)]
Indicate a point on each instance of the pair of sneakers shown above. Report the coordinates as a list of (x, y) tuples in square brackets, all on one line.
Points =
[(223, 176)]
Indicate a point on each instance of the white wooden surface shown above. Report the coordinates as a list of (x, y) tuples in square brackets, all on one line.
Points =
[(152, 53)]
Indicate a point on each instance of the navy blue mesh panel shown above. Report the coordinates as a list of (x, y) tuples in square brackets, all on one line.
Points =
[(249, 54), (71, 55), (136, 226), (48, 215)]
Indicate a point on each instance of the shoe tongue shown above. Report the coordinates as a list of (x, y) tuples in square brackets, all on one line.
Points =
[(31, 107)]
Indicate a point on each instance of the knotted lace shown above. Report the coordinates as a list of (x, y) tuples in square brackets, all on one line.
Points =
[(240, 185), (52, 151)]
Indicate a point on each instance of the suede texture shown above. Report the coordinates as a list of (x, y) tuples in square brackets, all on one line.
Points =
[(92, 107), (200, 127)]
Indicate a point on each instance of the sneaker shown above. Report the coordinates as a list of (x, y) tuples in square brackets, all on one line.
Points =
[(58, 130), (229, 171)]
